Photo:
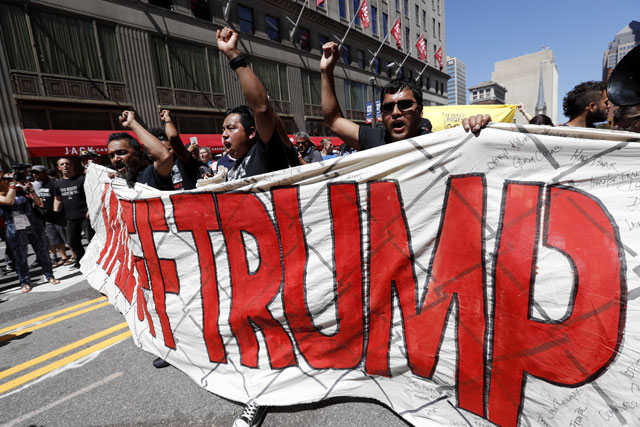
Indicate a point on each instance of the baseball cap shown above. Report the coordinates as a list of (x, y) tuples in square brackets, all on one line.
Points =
[(89, 153), (39, 168)]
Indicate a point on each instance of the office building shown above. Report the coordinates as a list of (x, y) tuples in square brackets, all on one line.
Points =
[(76, 64), (487, 93), (626, 39), (457, 84), (530, 80)]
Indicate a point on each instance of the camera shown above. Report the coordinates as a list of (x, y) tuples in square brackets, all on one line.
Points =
[(20, 171)]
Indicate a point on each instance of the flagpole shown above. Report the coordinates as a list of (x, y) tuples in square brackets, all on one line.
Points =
[(378, 51), (295, 24), (423, 68), (403, 61), (355, 15)]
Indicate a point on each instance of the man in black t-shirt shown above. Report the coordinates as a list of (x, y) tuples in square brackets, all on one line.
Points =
[(257, 142), (70, 199), (401, 105), (55, 224), (132, 163)]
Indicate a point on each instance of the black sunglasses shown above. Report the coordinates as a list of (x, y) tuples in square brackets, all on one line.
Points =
[(404, 105)]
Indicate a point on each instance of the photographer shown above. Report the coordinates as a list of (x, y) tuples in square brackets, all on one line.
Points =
[(22, 226)]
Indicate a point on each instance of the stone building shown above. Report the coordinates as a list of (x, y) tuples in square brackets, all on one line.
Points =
[(487, 93), (76, 64)]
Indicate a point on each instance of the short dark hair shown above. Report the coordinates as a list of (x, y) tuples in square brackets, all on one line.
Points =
[(396, 85), (246, 116), (581, 96), (541, 119), (159, 133), (125, 136)]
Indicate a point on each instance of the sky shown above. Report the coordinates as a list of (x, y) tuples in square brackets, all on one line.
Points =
[(578, 33)]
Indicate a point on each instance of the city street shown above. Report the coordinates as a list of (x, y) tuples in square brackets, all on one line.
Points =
[(67, 359)]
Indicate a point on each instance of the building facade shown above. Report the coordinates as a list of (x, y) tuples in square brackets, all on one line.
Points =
[(626, 39), (457, 84), (76, 64), (487, 93), (523, 76)]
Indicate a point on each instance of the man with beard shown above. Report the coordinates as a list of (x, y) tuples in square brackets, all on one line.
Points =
[(586, 104), (132, 163), (401, 106)]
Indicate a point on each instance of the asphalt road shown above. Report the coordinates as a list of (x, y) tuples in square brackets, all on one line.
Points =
[(66, 359)]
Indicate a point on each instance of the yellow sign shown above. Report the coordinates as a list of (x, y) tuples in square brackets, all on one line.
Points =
[(449, 116)]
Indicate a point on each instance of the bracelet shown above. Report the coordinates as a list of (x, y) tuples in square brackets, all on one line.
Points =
[(238, 61), (12, 184)]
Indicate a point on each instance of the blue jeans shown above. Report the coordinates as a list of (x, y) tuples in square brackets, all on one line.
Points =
[(18, 241)]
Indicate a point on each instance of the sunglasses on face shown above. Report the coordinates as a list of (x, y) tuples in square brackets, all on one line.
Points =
[(404, 105)]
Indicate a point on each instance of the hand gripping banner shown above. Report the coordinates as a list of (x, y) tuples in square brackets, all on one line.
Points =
[(458, 280)]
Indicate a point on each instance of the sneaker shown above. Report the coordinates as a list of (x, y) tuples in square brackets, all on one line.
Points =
[(160, 363), (252, 415)]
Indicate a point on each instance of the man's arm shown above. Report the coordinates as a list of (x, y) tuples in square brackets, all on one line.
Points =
[(162, 158), (524, 112), (57, 203), (174, 138), (253, 90), (345, 129)]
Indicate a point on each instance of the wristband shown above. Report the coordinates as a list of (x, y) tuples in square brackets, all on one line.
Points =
[(238, 61)]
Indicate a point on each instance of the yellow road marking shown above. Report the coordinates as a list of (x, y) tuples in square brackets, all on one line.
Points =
[(52, 321), (62, 362), (46, 316), (61, 350)]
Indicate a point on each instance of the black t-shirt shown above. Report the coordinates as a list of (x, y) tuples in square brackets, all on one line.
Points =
[(74, 201), (225, 161), (46, 194), (185, 175), (375, 137), (150, 177), (261, 158)]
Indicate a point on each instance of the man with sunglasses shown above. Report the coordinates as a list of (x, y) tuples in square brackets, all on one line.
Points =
[(401, 106)]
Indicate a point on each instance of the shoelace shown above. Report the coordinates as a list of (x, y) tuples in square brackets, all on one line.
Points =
[(250, 411)]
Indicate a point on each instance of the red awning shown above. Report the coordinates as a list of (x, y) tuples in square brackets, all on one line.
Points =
[(56, 143)]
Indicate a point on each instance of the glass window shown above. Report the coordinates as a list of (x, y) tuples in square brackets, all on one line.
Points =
[(200, 9), (424, 19), (360, 58), (434, 26), (406, 8), (273, 76), (215, 70), (273, 28), (110, 55), (346, 54), (66, 45), (385, 20), (245, 19), (160, 62), (343, 9), (417, 13), (167, 4), (376, 65), (311, 87), (374, 20), (304, 38), (407, 40), (188, 66), (356, 4), (439, 32), (397, 4), (17, 44), (322, 40), (354, 95)]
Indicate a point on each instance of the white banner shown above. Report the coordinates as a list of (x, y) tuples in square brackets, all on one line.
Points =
[(459, 280)]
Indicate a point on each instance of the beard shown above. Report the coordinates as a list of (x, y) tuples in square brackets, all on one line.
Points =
[(130, 173), (599, 116)]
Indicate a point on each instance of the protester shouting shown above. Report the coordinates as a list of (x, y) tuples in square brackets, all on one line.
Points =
[(401, 105)]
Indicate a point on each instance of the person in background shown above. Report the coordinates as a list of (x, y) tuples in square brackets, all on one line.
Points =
[(87, 157), (628, 118), (70, 199), (206, 162), (307, 151), (22, 227), (54, 222), (586, 104), (327, 149)]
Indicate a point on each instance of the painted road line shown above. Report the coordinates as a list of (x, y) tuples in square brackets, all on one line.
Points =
[(73, 395), (61, 350), (62, 362), (51, 322), (47, 316)]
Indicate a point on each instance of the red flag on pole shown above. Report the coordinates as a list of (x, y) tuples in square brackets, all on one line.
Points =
[(422, 47), (438, 56), (396, 32), (319, 2), (363, 12)]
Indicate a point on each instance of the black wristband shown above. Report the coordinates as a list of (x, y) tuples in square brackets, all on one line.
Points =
[(238, 61)]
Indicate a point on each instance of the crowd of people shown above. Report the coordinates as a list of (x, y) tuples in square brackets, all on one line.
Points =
[(50, 212)]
